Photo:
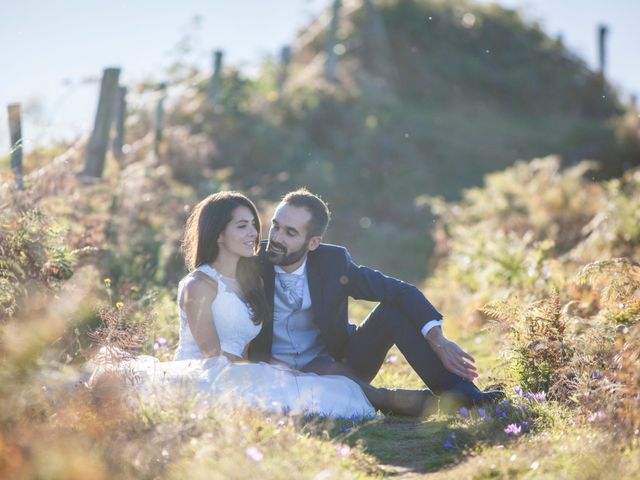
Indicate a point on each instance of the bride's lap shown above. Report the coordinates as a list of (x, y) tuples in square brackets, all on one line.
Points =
[(257, 385)]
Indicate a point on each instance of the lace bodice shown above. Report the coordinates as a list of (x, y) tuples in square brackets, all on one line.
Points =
[(231, 317)]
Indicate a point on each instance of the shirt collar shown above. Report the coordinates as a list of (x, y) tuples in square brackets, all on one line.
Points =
[(299, 271)]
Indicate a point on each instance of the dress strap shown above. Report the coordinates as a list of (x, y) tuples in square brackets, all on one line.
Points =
[(211, 272)]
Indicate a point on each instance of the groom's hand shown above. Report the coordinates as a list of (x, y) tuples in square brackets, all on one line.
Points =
[(454, 358)]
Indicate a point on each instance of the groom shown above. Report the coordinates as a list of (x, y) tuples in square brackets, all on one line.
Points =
[(308, 284)]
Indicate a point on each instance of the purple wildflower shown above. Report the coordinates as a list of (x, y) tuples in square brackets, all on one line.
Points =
[(500, 412), (595, 416), (159, 343), (453, 436), (254, 454), (540, 397), (528, 396), (517, 390), (464, 412), (597, 375), (483, 413), (513, 429), (343, 450), (448, 445), (525, 426), (505, 403)]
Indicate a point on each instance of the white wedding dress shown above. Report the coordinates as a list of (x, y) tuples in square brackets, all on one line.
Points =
[(259, 385)]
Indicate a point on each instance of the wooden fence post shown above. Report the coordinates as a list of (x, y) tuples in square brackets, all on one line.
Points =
[(602, 49), (15, 130), (120, 117), (159, 118), (332, 36), (377, 52), (285, 59), (214, 83), (99, 141)]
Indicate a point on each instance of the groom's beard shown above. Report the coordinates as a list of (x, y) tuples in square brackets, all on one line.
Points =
[(281, 256)]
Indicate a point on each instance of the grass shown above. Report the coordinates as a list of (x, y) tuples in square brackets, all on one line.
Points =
[(560, 453)]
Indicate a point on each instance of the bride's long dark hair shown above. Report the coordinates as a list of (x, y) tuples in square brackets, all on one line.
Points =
[(205, 224)]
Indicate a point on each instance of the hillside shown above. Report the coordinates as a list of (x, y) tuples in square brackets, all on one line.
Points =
[(429, 97)]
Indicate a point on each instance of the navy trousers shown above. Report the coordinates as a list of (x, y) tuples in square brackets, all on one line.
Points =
[(385, 326)]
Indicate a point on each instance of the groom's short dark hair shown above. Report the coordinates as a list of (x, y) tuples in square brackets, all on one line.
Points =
[(320, 214)]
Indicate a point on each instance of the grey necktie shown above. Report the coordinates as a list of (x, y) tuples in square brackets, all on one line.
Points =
[(292, 288)]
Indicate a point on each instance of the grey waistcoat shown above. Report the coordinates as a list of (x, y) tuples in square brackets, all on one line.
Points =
[(296, 337)]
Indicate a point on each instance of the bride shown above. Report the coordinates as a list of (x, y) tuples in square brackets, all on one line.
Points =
[(222, 308)]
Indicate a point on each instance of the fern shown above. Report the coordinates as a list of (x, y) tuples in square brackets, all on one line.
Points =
[(508, 310), (537, 337), (10, 268), (618, 281), (33, 249)]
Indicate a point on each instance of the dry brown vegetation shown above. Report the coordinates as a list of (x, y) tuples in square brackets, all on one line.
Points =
[(538, 251)]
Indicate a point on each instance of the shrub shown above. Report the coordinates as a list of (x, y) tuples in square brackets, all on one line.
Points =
[(538, 339), (34, 258)]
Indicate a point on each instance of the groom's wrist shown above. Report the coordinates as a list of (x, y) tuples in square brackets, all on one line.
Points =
[(435, 336), (429, 326)]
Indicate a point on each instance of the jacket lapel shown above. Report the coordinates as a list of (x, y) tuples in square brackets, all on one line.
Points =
[(260, 347), (269, 278), (314, 279), (268, 275)]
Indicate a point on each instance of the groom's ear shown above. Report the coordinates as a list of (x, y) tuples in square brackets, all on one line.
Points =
[(314, 242)]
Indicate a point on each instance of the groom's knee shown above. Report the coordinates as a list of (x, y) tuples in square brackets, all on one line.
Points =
[(392, 321), (387, 313)]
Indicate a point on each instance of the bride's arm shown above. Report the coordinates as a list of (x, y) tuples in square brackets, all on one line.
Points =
[(197, 296)]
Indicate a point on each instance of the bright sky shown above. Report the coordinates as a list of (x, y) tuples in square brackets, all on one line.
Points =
[(49, 47)]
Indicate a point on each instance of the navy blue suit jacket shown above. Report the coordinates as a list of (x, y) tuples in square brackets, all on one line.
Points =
[(333, 277)]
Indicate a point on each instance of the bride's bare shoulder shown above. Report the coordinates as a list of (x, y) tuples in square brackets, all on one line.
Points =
[(197, 285)]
